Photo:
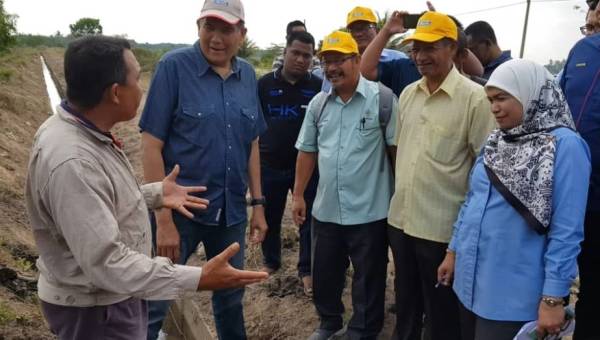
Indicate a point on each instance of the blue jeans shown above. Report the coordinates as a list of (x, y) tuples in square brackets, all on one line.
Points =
[(275, 186), (226, 303)]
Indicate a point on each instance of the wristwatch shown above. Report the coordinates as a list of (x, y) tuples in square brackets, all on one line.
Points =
[(552, 301), (258, 201)]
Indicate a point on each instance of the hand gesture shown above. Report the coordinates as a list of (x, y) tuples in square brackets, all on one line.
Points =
[(178, 197), (395, 23), (217, 273), (430, 6)]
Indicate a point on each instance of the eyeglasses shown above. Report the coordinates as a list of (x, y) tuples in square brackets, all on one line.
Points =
[(360, 28), (336, 61), (589, 29)]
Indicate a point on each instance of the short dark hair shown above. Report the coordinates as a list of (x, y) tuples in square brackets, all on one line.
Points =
[(304, 37), (461, 37), (292, 24), (92, 64), (481, 31)]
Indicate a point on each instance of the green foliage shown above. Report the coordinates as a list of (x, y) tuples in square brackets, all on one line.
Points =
[(6, 314), (86, 26), (148, 58), (248, 49), (23, 265), (30, 40), (5, 75), (7, 28), (268, 55)]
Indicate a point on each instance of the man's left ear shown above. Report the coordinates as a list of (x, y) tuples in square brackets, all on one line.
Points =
[(113, 93)]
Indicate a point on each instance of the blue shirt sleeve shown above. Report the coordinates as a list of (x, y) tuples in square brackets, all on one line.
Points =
[(161, 101), (386, 71), (571, 179)]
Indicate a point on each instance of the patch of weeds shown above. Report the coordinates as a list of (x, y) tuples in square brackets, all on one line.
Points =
[(5, 75), (23, 265), (6, 314)]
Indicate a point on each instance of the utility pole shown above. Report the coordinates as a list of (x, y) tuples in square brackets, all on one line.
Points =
[(525, 29)]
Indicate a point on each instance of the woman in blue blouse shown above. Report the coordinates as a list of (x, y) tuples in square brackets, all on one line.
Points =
[(515, 243)]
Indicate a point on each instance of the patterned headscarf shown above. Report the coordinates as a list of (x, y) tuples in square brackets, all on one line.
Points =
[(522, 158)]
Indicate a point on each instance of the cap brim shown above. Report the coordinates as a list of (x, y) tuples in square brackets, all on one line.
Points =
[(334, 49), (425, 37), (228, 18), (348, 23)]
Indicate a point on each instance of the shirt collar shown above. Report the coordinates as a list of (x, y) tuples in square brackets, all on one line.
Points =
[(277, 75), (502, 58), (204, 66), (361, 89), (448, 85), (67, 113)]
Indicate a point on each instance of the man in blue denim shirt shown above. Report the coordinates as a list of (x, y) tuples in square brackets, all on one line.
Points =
[(581, 84), (203, 113)]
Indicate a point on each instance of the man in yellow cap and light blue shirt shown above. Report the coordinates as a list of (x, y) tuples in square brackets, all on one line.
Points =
[(344, 131), (445, 118)]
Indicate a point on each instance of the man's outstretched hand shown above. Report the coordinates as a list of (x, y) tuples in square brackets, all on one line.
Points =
[(178, 197), (217, 273)]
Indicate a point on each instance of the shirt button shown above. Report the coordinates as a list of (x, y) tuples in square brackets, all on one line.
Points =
[(227, 103), (229, 126), (230, 147), (228, 169), (70, 300), (56, 297)]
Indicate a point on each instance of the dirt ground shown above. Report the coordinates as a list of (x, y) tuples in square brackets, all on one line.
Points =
[(23, 107)]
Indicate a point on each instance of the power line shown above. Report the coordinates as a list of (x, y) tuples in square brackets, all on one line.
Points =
[(508, 5)]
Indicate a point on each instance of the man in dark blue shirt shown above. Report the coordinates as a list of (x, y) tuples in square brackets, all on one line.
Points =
[(284, 95), (482, 42), (581, 85), (203, 113)]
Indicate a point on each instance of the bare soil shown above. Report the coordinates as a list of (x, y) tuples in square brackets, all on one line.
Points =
[(23, 107)]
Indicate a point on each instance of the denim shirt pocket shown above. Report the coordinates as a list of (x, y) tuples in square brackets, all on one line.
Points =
[(194, 123), (248, 124)]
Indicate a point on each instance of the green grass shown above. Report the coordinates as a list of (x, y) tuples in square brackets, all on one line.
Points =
[(7, 315)]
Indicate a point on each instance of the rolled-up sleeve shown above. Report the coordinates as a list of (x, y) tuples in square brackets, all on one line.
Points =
[(81, 199), (571, 179), (153, 194), (307, 137)]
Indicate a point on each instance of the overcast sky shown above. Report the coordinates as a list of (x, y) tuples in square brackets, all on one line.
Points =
[(553, 24)]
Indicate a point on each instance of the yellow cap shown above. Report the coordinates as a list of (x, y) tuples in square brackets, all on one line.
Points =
[(361, 14), (433, 26), (339, 41)]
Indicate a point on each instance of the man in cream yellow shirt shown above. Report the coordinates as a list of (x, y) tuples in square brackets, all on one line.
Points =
[(444, 118)]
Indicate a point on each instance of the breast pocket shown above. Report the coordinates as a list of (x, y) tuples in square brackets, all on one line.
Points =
[(369, 129), (442, 148), (194, 123), (248, 124)]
